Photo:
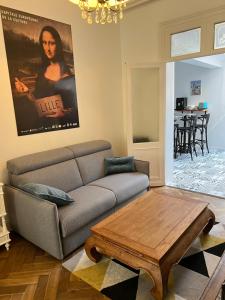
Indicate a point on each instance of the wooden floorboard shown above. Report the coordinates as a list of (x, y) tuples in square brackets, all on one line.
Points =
[(28, 273)]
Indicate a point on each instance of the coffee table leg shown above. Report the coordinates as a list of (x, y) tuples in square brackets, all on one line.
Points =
[(159, 274), (91, 250), (210, 223), (160, 278)]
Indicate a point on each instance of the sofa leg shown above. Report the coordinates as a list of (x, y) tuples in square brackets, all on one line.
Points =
[(148, 188)]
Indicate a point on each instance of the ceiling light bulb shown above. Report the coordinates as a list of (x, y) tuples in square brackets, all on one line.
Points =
[(92, 3)]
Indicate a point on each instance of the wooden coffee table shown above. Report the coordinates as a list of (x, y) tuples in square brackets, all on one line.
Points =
[(151, 233)]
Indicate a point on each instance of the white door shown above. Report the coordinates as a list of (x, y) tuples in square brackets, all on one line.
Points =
[(144, 117)]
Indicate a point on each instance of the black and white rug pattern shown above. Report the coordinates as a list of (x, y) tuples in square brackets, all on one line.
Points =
[(187, 280)]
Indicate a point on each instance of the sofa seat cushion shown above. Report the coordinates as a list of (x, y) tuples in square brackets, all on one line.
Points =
[(89, 203), (124, 185)]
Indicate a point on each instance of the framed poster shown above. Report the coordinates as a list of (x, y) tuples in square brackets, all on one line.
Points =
[(41, 70), (196, 87)]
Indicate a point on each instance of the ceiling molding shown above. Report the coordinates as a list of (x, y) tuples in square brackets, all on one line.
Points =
[(135, 3)]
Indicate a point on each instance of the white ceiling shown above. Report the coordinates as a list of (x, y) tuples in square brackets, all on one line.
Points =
[(208, 62)]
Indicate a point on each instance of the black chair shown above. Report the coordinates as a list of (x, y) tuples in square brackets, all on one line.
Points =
[(186, 135), (175, 140), (202, 128)]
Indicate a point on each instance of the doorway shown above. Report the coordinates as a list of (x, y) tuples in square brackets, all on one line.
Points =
[(195, 88)]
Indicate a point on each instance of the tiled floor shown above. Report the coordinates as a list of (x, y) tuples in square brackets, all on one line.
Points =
[(205, 174)]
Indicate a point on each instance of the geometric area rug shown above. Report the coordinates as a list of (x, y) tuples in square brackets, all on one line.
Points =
[(187, 279)]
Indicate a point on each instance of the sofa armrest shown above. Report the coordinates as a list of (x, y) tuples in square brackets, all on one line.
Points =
[(142, 166), (35, 219)]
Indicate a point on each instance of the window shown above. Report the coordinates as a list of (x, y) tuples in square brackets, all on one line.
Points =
[(145, 104), (219, 37), (186, 42)]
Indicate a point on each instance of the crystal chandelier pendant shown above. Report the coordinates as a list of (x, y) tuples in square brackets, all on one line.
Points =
[(103, 13), (121, 13), (115, 19), (102, 21), (84, 14), (89, 18), (97, 17), (109, 18)]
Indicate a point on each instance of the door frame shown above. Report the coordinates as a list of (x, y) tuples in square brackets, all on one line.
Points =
[(206, 21)]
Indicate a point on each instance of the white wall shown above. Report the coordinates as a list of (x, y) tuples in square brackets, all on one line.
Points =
[(98, 78), (98, 70), (213, 92)]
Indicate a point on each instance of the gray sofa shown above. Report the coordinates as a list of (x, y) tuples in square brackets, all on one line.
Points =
[(79, 171)]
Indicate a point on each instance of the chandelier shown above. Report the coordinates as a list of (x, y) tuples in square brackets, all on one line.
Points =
[(101, 11)]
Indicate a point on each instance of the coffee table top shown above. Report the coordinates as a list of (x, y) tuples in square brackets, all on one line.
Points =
[(150, 225)]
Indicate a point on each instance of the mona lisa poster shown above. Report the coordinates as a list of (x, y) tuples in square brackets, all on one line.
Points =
[(41, 70)]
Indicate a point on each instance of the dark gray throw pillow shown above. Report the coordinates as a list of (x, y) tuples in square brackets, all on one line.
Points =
[(49, 193), (115, 165)]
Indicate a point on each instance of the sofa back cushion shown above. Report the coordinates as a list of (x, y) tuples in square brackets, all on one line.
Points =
[(92, 166), (90, 158), (87, 148), (65, 168), (56, 168), (38, 160)]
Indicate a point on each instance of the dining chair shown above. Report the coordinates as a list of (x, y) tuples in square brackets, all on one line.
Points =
[(175, 139), (202, 129), (186, 135)]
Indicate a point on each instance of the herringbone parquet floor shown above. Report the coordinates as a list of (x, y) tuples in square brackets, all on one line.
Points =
[(27, 273)]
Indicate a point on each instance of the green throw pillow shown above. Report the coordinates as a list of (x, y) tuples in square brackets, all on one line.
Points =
[(49, 193), (115, 165)]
